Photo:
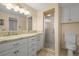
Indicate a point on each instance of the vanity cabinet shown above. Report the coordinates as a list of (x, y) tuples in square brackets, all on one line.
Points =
[(70, 13), (22, 47)]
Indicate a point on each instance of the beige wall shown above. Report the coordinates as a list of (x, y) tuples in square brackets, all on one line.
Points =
[(56, 23), (74, 27)]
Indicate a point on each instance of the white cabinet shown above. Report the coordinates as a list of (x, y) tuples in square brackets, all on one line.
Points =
[(35, 44), (9, 45), (70, 13), (65, 13), (22, 51), (11, 52), (32, 43), (22, 47), (16, 47), (40, 42), (19, 51), (75, 13)]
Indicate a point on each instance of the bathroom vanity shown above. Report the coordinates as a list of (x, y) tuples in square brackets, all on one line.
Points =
[(21, 45)]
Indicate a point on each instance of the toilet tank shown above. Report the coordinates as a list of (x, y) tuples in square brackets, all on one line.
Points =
[(70, 40)]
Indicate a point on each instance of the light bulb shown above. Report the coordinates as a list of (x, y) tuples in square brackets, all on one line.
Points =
[(7, 4), (22, 10), (8, 7), (27, 13), (48, 15), (16, 8)]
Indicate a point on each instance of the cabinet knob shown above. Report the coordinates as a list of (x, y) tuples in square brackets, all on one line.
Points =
[(16, 51)]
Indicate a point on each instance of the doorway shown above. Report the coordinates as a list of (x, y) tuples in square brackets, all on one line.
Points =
[(49, 31)]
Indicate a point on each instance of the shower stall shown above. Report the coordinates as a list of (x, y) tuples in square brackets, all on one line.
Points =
[(49, 32)]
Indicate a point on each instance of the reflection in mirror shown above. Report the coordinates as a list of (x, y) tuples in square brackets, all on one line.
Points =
[(12, 24), (30, 24), (1, 22), (13, 19)]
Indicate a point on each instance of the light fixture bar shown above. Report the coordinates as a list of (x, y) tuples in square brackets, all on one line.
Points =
[(16, 8)]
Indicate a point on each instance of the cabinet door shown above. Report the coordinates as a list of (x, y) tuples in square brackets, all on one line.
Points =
[(9, 45), (22, 51), (75, 12), (40, 42), (8, 54), (11, 52), (65, 13), (32, 46), (32, 51)]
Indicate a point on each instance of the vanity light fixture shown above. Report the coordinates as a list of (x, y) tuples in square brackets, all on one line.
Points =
[(22, 10), (16, 8), (27, 13), (8, 6)]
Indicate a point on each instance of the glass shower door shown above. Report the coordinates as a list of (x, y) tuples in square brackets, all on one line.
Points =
[(49, 32)]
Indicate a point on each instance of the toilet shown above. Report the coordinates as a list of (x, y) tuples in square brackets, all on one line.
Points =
[(70, 42)]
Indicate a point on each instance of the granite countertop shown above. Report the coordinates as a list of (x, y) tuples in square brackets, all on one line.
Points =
[(16, 37)]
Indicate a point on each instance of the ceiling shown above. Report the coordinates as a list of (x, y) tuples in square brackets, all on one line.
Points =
[(41, 6), (68, 4), (38, 6)]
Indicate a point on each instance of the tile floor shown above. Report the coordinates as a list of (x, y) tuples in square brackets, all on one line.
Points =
[(46, 52)]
